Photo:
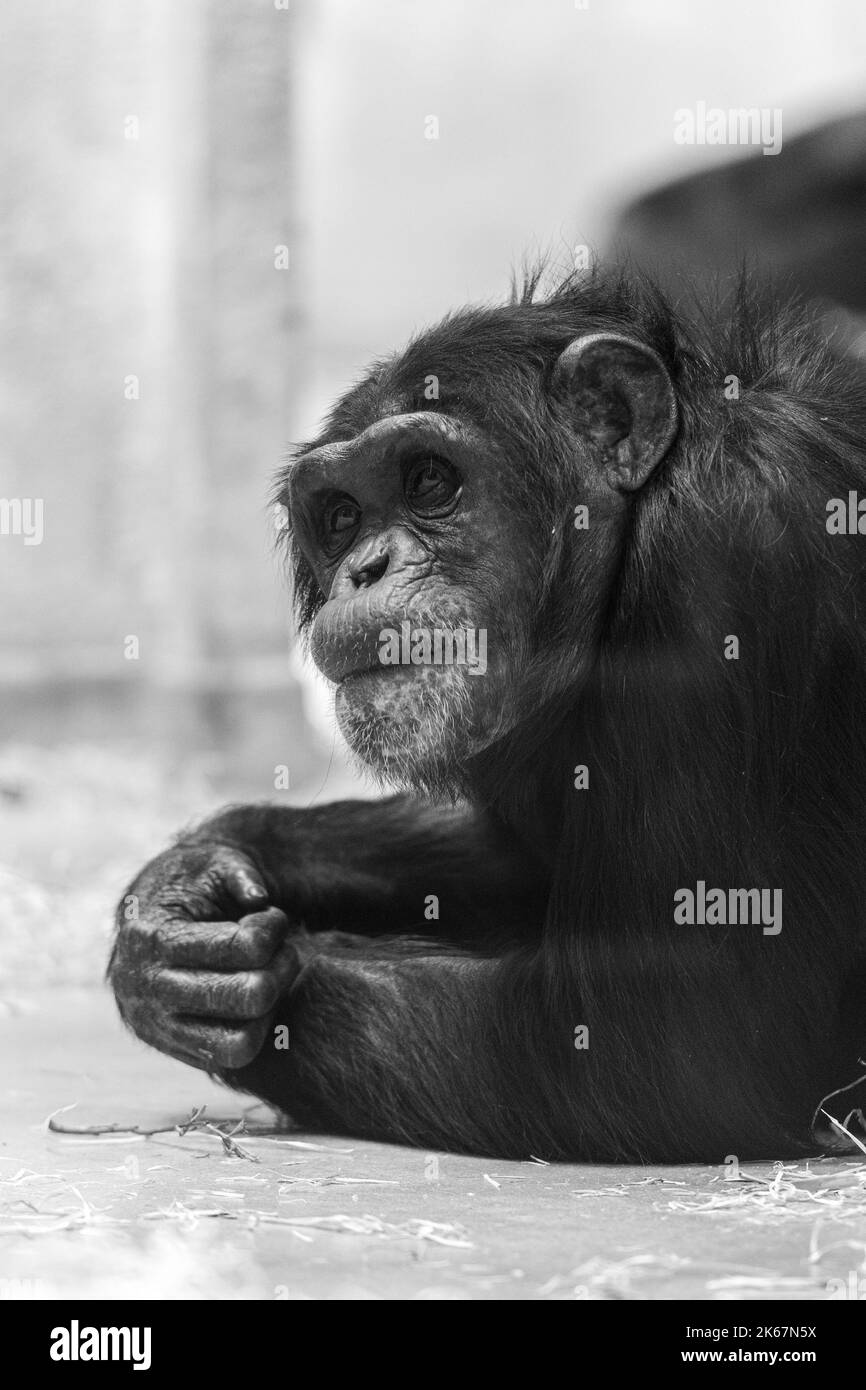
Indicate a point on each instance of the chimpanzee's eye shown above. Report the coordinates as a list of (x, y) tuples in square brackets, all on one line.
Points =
[(341, 519), (432, 487)]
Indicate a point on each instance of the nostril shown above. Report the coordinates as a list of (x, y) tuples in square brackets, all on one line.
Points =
[(368, 568), (378, 568)]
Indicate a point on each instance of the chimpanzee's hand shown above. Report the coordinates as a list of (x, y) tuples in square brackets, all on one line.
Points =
[(200, 959)]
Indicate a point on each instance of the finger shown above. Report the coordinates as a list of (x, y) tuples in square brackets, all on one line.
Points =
[(202, 1043), (215, 1042), (287, 963), (249, 944), (244, 883), (245, 994)]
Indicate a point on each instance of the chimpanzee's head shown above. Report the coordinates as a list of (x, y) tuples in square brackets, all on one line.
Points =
[(438, 554)]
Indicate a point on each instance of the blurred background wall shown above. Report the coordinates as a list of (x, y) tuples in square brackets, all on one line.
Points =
[(214, 212)]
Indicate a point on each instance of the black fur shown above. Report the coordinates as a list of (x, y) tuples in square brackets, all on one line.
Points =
[(750, 773)]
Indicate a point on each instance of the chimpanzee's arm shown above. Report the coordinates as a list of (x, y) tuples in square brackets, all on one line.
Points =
[(374, 867), (423, 1048), (413, 1042), (210, 932)]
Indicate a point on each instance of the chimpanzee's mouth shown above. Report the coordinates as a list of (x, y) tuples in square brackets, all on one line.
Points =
[(377, 669), (382, 671)]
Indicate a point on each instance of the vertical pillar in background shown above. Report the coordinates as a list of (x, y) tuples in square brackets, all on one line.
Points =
[(254, 368), (150, 360), (167, 475), (220, 324)]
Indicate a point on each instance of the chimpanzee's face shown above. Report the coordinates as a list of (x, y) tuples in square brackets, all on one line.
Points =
[(421, 563), (429, 556)]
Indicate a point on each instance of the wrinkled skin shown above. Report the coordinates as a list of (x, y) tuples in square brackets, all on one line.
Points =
[(454, 571), (199, 965), (205, 998)]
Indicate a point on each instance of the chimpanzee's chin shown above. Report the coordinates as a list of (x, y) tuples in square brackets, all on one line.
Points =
[(411, 727)]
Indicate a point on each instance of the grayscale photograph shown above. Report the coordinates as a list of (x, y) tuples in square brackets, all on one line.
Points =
[(432, 671)]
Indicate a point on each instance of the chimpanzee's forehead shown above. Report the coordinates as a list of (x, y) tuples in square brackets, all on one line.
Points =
[(463, 366)]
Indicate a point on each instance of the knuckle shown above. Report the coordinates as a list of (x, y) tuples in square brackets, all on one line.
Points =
[(144, 1021), (152, 984), (140, 940), (147, 938)]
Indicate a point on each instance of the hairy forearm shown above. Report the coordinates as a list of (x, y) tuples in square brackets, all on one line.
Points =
[(382, 866), (400, 1048)]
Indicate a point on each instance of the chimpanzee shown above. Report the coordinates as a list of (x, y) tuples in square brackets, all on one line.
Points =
[(617, 910)]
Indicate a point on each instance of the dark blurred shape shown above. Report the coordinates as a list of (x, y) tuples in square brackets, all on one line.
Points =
[(800, 215)]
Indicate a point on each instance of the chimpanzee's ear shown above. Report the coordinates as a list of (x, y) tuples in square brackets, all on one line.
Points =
[(622, 398)]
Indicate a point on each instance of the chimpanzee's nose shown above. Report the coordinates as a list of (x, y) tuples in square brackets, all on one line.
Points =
[(368, 565)]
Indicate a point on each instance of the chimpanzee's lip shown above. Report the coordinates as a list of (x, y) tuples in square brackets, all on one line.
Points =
[(376, 670)]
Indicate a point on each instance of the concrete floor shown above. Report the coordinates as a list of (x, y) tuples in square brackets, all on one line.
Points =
[(317, 1217)]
